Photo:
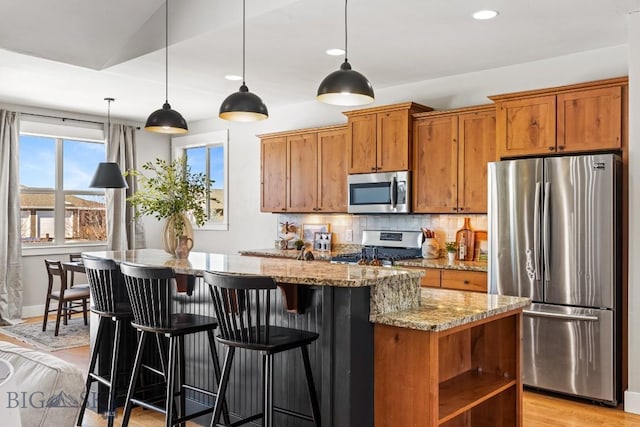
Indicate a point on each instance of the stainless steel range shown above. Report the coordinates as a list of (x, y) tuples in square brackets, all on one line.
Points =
[(380, 247)]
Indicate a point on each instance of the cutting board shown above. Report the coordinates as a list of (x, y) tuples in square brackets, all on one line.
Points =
[(478, 237)]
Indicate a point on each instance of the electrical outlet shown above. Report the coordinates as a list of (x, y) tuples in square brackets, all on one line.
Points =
[(348, 235)]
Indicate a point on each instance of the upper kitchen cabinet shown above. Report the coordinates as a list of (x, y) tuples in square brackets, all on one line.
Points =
[(451, 152), (379, 138), (273, 177), (304, 171), (569, 119)]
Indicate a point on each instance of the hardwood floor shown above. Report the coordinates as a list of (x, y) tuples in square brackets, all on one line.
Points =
[(540, 410)]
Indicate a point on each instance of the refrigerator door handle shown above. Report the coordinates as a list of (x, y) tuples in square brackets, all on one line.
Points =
[(560, 315), (545, 232), (536, 232)]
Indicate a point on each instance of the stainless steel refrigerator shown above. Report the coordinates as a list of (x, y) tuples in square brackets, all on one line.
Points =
[(554, 237)]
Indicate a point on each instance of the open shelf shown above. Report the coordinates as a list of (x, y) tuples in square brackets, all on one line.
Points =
[(467, 390)]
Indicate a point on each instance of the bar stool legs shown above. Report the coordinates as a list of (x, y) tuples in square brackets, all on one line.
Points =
[(112, 382)]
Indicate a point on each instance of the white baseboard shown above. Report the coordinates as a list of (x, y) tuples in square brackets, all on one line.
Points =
[(632, 401), (32, 311)]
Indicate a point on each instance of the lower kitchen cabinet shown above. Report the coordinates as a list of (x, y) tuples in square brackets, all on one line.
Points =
[(462, 280), (465, 376)]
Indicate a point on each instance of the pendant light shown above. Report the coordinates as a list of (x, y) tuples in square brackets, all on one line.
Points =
[(243, 106), (166, 120), (345, 86), (108, 174)]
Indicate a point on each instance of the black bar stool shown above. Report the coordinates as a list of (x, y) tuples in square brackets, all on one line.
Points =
[(150, 291), (110, 303), (242, 305)]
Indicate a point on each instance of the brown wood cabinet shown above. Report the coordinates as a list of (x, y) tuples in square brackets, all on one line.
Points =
[(464, 376), (273, 176), (304, 171), (461, 280), (379, 139), (569, 119), (451, 151)]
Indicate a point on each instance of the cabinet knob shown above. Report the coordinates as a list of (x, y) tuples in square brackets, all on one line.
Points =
[(454, 209), (560, 147), (466, 282), (374, 168), (551, 148)]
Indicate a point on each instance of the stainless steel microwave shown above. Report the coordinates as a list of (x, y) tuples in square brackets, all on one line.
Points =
[(383, 192)]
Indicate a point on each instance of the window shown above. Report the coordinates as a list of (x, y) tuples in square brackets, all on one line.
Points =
[(56, 204), (207, 153)]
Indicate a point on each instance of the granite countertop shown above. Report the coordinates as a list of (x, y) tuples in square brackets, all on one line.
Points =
[(444, 264), (326, 256), (287, 253), (282, 270), (442, 309)]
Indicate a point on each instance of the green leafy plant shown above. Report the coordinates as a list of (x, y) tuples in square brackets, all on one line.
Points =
[(299, 244), (172, 191), (451, 246)]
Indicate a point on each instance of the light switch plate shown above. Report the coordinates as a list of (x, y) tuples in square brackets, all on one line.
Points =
[(348, 235)]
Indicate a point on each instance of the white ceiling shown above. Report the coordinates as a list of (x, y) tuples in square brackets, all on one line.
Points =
[(70, 54)]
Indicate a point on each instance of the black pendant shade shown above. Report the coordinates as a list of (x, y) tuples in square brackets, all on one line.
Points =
[(108, 175), (345, 87), (243, 106), (166, 120)]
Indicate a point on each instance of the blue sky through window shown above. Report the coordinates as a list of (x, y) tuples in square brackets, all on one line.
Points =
[(38, 162), (196, 158)]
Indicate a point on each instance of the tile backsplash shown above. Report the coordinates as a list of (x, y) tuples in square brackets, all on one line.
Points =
[(344, 226)]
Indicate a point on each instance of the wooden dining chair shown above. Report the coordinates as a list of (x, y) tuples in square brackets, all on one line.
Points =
[(75, 257), (70, 300)]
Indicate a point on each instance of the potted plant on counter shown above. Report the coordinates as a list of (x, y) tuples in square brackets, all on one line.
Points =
[(175, 194), (451, 251)]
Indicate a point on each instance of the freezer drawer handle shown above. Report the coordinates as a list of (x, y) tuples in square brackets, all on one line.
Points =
[(560, 316)]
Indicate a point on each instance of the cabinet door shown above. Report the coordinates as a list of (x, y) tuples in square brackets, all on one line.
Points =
[(393, 141), (273, 157), (477, 143), (332, 171), (464, 280), (526, 126), (435, 165), (302, 177), (431, 278), (362, 144), (590, 120)]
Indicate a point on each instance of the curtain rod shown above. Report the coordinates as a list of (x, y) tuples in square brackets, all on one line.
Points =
[(62, 118), (66, 118)]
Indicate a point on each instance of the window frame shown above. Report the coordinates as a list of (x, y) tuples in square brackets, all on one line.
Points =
[(60, 194), (208, 139)]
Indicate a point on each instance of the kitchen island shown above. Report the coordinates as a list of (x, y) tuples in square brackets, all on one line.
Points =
[(345, 304), (337, 301)]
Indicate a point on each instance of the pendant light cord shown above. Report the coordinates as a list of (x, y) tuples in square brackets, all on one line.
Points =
[(166, 51), (345, 31), (243, 42), (109, 100)]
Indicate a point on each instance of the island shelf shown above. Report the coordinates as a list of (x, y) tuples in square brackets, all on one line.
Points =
[(462, 376)]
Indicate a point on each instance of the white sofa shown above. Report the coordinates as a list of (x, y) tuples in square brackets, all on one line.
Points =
[(48, 390)]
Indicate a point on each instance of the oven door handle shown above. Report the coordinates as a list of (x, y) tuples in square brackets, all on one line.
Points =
[(393, 192)]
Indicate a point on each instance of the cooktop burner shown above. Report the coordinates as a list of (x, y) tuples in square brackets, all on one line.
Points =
[(384, 248)]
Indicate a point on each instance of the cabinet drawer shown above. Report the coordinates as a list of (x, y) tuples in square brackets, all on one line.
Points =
[(431, 278), (464, 280)]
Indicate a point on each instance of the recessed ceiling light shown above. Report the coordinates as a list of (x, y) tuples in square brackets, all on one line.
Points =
[(233, 77), (485, 14), (335, 52)]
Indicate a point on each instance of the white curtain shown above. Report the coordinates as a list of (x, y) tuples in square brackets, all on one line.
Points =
[(123, 231), (10, 239)]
